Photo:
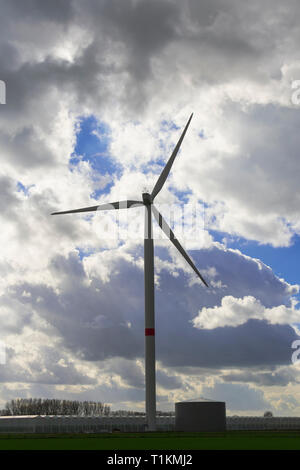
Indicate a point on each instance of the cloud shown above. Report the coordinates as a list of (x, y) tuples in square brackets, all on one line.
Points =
[(141, 67), (237, 397), (235, 154), (98, 318), (233, 312), (46, 367), (167, 381), (281, 377)]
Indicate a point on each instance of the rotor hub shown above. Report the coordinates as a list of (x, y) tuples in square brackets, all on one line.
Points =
[(147, 199)]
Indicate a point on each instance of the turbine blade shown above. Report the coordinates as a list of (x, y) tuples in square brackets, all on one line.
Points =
[(167, 230), (104, 207), (164, 174)]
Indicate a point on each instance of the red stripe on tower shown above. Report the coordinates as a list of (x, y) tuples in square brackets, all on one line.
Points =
[(149, 332)]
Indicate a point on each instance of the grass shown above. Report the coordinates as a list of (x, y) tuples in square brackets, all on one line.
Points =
[(231, 440)]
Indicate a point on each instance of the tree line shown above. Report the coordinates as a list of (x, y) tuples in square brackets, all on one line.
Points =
[(52, 406), (140, 413)]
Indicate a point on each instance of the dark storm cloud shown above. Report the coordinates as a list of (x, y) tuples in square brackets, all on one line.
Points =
[(34, 10), (26, 149), (130, 372), (104, 393), (88, 79), (237, 397), (250, 344), (89, 317), (85, 79), (103, 320), (268, 379), (204, 13), (243, 275), (167, 381), (204, 36), (144, 27), (136, 21), (133, 375)]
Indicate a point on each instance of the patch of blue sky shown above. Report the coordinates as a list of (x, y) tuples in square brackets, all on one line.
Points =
[(284, 261), (24, 189), (92, 145), (21, 188), (183, 196), (168, 126), (162, 252), (83, 253), (155, 165)]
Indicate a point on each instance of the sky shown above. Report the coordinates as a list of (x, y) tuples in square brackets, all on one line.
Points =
[(97, 94)]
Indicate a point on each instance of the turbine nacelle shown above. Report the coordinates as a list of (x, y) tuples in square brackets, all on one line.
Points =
[(147, 199)]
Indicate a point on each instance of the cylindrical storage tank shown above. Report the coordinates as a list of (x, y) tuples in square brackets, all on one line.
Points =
[(200, 415)]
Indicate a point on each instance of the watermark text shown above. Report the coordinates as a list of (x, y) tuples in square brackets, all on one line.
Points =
[(2, 92)]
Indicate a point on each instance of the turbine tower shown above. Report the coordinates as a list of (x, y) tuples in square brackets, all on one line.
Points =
[(147, 201)]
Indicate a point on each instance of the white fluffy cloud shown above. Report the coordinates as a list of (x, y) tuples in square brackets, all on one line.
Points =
[(233, 312)]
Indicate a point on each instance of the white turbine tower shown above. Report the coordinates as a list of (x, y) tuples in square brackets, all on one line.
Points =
[(149, 271)]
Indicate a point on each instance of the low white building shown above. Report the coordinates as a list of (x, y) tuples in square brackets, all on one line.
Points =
[(77, 424), (73, 424)]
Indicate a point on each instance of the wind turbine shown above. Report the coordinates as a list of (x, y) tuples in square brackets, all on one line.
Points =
[(149, 271)]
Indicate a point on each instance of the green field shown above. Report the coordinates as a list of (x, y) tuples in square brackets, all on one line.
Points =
[(236, 440)]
